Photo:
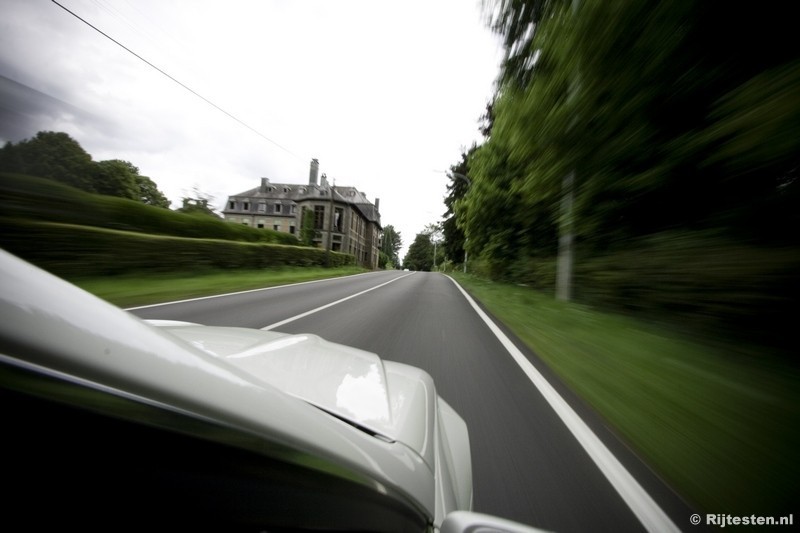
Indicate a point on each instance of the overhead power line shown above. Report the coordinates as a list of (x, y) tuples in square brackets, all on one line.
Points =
[(148, 63)]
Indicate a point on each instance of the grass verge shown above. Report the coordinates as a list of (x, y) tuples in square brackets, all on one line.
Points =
[(133, 290), (719, 422)]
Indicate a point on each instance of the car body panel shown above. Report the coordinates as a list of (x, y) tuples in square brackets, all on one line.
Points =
[(51, 324), (318, 415), (389, 399)]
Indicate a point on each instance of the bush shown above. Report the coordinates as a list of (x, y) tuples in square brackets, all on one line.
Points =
[(45, 200), (705, 281), (73, 251)]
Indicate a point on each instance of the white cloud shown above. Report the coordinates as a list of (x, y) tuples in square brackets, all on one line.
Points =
[(382, 93)]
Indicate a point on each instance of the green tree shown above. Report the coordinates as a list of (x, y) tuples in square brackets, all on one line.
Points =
[(391, 244), (660, 130), (57, 156), (150, 194), (454, 239), (673, 132), (198, 203), (10, 159), (197, 206), (420, 253), (307, 231), (52, 155), (117, 178), (436, 237)]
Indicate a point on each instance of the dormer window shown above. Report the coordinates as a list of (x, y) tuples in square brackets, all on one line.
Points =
[(278, 207)]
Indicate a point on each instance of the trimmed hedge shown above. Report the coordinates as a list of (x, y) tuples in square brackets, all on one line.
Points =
[(41, 199), (73, 251)]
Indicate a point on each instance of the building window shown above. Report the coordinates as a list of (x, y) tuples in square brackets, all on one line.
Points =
[(261, 226), (278, 207), (276, 227), (262, 207), (293, 209), (291, 230), (246, 206), (338, 218), (319, 216), (232, 204)]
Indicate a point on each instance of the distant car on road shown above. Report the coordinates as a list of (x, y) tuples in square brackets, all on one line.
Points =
[(112, 421)]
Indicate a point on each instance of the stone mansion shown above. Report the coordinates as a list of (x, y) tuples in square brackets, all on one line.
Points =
[(344, 219)]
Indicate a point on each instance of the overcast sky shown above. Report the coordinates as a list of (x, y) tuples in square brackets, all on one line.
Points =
[(384, 93)]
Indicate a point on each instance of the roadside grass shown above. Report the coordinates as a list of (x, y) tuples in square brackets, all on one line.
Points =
[(142, 289), (718, 421)]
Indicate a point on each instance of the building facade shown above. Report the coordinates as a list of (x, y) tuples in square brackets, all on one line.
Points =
[(343, 219)]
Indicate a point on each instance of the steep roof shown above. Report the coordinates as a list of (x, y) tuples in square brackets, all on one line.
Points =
[(298, 192)]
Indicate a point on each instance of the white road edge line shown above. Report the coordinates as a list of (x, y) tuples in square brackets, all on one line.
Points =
[(643, 506), (311, 312), (244, 292)]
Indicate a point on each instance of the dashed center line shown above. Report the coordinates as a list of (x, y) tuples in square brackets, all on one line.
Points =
[(311, 312)]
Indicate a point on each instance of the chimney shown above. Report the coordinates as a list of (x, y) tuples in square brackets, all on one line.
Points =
[(377, 204), (313, 172), (264, 183)]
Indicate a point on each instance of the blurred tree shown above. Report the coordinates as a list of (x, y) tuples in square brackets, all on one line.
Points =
[(517, 22), (116, 178), (121, 178), (487, 120), (683, 139), (666, 117), (454, 244), (10, 159), (198, 203), (52, 155), (57, 156), (198, 206), (307, 232), (150, 194), (384, 262), (420, 253), (391, 244), (436, 236)]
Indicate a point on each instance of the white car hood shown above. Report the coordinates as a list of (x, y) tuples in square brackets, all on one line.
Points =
[(391, 400)]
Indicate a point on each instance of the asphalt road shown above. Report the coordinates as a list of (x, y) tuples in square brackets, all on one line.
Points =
[(528, 465)]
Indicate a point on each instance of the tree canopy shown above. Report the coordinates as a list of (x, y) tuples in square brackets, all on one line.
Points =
[(57, 156), (420, 253), (52, 155), (674, 118), (666, 115), (390, 245)]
